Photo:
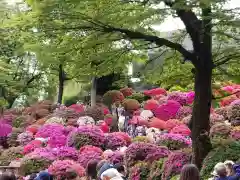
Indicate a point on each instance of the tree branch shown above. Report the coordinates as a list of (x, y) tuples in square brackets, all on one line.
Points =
[(225, 59), (153, 39)]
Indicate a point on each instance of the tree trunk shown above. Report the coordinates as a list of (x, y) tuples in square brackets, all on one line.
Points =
[(61, 84), (93, 91), (201, 111)]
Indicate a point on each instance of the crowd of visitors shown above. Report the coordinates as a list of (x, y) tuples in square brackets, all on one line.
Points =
[(103, 170)]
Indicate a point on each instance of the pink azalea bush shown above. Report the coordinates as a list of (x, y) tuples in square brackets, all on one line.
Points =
[(46, 153), (235, 133), (64, 168), (57, 141), (85, 157), (184, 111), (89, 148), (171, 123), (50, 130), (63, 153), (167, 111), (31, 146), (5, 129), (173, 141), (114, 142), (179, 97), (151, 104), (155, 92), (85, 135), (216, 118), (25, 137), (182, 129), (139, 151), (173, 165), (116, 157)]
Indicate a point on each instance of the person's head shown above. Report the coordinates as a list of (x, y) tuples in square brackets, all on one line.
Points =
[(100, 164), (189, 172), (8, 176), (44, 176), (110, 174), (229, 167), (91, 169), (120, 168), (220, 169)]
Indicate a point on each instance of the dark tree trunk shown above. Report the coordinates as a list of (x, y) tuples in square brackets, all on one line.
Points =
[(61, 84), (201, 111)]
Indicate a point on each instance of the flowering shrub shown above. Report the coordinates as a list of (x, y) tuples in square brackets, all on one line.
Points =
[(7, 118), (216, 118), (50, 130), (65, 153), (187, 119), (19, 121), (156, 169), (139, 171), (167, 111), (89, 148), (45, 153), (173, 165), (95, 112), (222, 111), (112, 97), (131, 105), (32, 129), (190, 97), (33, 165), (173, 141), (10, 154), (85, 157), (112, 141), (220, 129), (182, 129), (85, 120), (155, 92), (31, 146), (63, 169), (229, 151), (146, 114), (25, 137), (12, 138), (157, 123), (85, 135), (126, 91), (235, 133), (55, 120), (116, 157), (234, 112), (5, 129), (144, 152), (151, 104), (184, 111), (57, 141), (227, 100), (78, 108), (179, 97), (144, 139), (171, 123)]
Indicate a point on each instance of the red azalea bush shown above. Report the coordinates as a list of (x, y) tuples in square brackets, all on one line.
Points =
[(155, 92), (31, 146), (126, 91), (151, 104), (182, 129)]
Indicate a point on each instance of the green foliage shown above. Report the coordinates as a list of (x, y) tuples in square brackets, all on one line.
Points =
[(138, 96), (230, 151)]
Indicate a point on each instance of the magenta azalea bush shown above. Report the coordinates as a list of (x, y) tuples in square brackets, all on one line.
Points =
[(114, 142), (85, 157), (45, 153), (179, 97), (144, 152), (174, 141), (57, 141), (50, 130), (173, 165), (64, 153), (116, 157), (167, 111), (5, 129), (89, 148), (85, 135), (63, 169)]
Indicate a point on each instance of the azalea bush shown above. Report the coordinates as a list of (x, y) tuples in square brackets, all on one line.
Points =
[(233, 114), (139, 171), (49, 130), (64, 169), (126, 91), (96, 112), (138, 96), (144, 139), (174, 163), (25, 137), (10, 154), (144, 152), (181, 129), (171, 123), (235, 133), (112, 141), (116, 157), (89, 148), (151, 104), (64, 153), (55, 120), (216, 118), (85, 135), (173, 141), (12, 138), (183, 112), (178, 96), (156, 169), (85, 157)]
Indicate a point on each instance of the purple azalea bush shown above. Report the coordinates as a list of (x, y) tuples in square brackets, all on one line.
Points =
[(139, 151), (85, 135), (85, 157), (114, 142), (65, 153)]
